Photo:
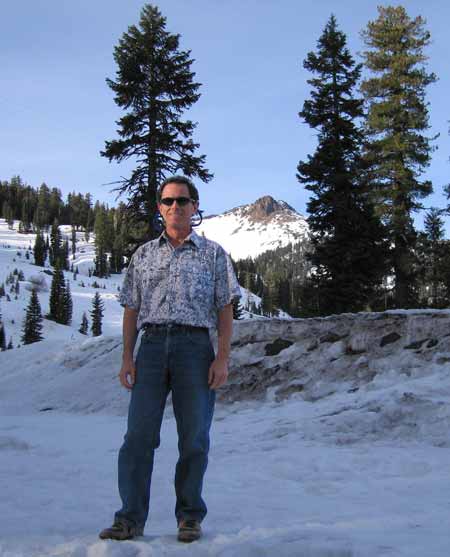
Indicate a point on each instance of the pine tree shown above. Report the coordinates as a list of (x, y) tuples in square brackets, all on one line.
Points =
[(102, 242), (39, 249), (25, 220), (8, 214), (32, 326), (74, 242), (10, 344), (155, 83), (65, 255), (268, 298), (84, 325), (57, 295), (96, 315), (67, 305), (431, 254), (56, 246), (41, 217), (2, 335), (347, 238), (397, 150), (120, 240)]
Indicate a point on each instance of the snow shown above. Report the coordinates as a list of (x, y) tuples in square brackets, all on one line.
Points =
[(268, 489), (352, 474)]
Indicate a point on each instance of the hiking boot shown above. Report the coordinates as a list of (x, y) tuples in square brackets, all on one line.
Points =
[(121, 530), (189, 530)]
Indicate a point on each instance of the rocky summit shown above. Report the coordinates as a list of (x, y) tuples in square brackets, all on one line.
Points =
[(266, 208)]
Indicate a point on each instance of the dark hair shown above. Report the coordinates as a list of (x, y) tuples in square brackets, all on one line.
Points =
[(193, 192)]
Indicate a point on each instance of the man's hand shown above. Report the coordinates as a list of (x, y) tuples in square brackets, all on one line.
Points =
[(218, 373), (127, 373)]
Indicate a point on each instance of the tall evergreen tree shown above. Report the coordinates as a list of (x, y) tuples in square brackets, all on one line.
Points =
[(84, 325), (25, 219), (41, 215), (74, 241), (56, 205), (39, 249), (8, 214), (156, 85), (55, 253), (57, 295), (397, 119), (97, 315), (432, 255), (120, 240), (103, 240), (2, 335), (32, 326), (347, 238), (67, 305), (64, 256)]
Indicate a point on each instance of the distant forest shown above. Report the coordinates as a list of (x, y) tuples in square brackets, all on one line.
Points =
[(42, 209)]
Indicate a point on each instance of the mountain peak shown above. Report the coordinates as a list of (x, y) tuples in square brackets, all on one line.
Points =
[(249, 230), (265, 207)]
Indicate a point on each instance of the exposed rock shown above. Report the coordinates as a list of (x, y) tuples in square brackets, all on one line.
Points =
[(416, 345), (264, 208), (389, 339), (275, 347), (332, 337)]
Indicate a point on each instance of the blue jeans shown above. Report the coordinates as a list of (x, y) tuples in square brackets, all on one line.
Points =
[(176, 360)]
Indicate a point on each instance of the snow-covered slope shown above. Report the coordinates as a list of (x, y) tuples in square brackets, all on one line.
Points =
[(250, 230), (13, 248)]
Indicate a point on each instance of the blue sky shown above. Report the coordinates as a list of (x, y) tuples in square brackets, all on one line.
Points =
[(57, 111)]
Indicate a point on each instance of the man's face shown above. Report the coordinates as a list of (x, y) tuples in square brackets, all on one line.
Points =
[(176, 216)]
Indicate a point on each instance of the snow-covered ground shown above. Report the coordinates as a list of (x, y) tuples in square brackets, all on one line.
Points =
[(330, 478), (269, 491)]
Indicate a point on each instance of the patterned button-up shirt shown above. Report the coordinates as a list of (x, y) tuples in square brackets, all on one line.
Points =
[(187, 285)]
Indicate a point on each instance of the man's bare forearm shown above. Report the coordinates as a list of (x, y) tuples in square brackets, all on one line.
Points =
[(224, 331), (130, 332)]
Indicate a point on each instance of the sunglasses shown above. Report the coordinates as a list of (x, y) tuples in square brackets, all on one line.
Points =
[(182, 201)]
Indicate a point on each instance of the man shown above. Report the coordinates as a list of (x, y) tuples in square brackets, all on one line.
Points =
[(177, 287)]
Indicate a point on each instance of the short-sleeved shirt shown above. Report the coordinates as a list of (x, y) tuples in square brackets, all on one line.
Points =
[(186, 285)]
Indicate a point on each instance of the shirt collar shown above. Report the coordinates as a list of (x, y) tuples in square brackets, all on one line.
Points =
[(192, 237)]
